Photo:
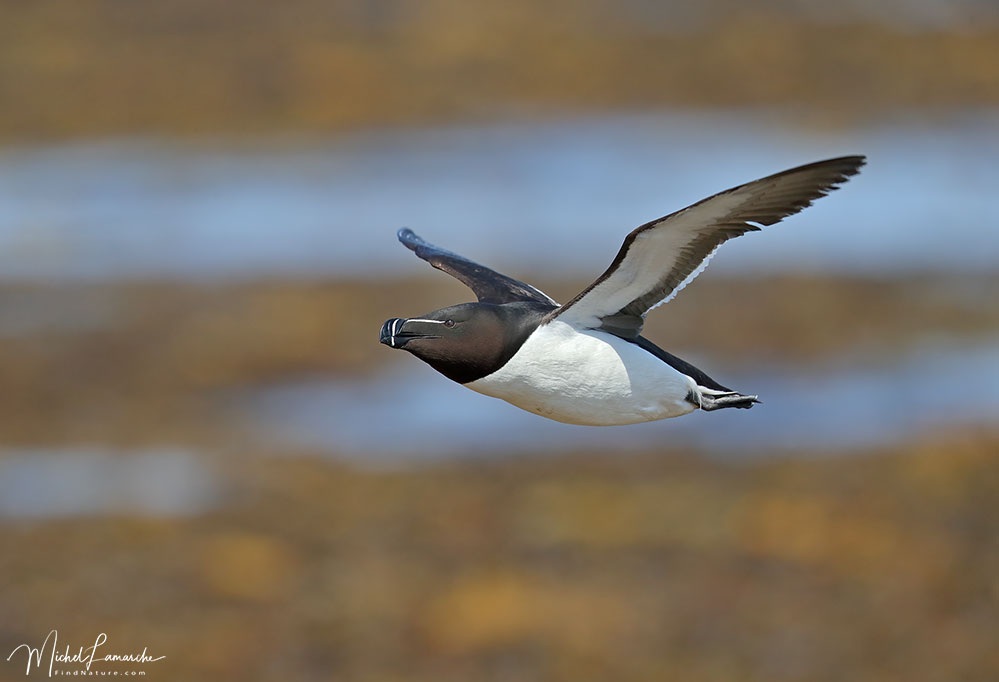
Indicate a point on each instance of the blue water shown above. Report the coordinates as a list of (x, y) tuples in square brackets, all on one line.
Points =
[(555, 197), (411, 413)]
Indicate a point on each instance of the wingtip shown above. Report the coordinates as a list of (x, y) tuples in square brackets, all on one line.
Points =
[(856, 161), (848, 166), (833, 172), (409, 239)]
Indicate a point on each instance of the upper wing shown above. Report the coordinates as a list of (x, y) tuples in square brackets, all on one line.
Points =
[(661, 257), (489, 286)]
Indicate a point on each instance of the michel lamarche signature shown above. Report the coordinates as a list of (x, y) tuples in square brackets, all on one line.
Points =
[(85, 655)]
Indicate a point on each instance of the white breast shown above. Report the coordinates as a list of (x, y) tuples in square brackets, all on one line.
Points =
[(584, 376)]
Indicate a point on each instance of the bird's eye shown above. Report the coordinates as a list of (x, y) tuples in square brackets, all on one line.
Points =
[(448, 323)]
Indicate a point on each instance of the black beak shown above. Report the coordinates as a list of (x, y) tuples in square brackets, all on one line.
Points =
[(388, 332), (397, 332)]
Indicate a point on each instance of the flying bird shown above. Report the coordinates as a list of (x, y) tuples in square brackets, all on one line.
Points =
[(585, 361)]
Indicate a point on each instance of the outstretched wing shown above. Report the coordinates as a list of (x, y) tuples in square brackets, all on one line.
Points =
[(661, 257), (489, 286)]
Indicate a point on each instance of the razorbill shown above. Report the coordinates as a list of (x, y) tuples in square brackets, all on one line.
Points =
[(585, 362)]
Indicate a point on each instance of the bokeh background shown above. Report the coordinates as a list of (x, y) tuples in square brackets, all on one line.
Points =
[(205, 452)]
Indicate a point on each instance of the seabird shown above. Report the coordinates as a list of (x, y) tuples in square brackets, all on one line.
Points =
[(585, 362)]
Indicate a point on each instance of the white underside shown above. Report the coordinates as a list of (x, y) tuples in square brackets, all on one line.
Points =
[(584, 376)]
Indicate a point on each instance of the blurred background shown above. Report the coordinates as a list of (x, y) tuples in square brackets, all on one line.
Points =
[(205, 452)]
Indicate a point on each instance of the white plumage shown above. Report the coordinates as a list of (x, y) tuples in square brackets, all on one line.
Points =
[(585, 376)]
